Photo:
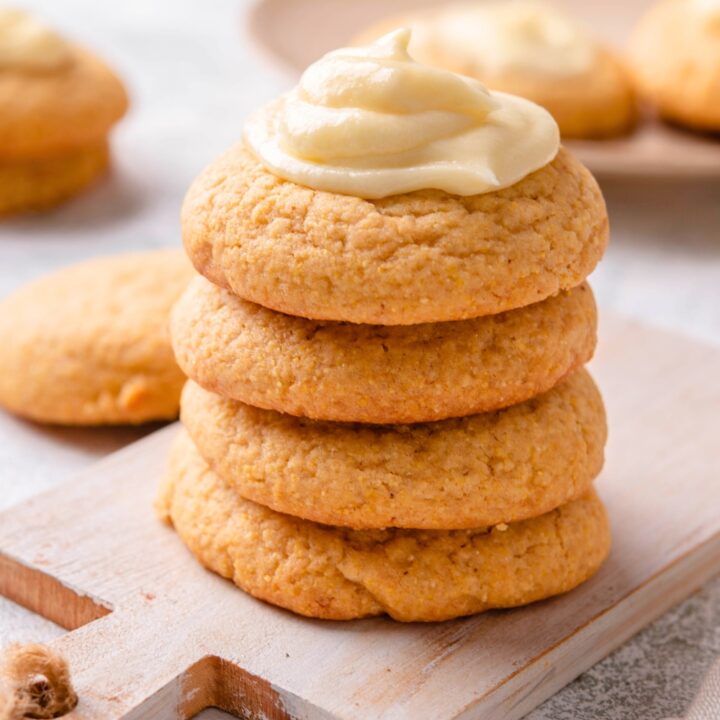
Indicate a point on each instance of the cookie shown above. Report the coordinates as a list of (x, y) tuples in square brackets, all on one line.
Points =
[(675, 59), (55, 113), (412, 575), (58, 103), (596, 105), (379, 373), (41, 183), (424, 256), (89, 344), (461, 473), (596, 102)]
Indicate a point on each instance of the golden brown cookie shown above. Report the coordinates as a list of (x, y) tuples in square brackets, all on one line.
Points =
[(461, 473), (675, 59), (54, 125), (59, 111), (598, 102), (41, 183), (425, 256), (413, 575), (89, 344), (379, 373)]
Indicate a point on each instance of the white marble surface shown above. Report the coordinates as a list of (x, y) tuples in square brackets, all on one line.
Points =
[(193, 78)]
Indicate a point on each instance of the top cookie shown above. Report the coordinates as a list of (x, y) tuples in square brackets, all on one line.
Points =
[(425, 256), (55, 112)]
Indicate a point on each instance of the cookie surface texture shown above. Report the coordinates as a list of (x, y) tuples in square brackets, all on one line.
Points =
[(378, 373), (412, 575), (461, 473), (425, 256)]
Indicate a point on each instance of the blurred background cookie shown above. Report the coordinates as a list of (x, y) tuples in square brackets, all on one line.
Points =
[(529, 49), (675, 59), (89, 345), (57, 105)]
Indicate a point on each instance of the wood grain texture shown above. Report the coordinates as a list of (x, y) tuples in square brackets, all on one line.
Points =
[(178, 639), (293, 33)]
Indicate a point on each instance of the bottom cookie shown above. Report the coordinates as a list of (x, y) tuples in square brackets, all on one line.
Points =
[(412, 575), (44, 182)]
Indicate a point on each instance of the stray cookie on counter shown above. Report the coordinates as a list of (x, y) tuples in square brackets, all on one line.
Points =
[(89, 344)]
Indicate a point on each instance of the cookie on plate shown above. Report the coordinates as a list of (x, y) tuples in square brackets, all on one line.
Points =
[(675, 58), (378, 373), (89, 344), (57, 105), (412, 575), (529, 49), (466, 472), (423, 256)]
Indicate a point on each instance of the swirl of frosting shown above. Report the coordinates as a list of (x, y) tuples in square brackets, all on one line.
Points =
[(28, 44), (372, 122)]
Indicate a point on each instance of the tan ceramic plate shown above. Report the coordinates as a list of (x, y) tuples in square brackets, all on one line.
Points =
[(293, 33)]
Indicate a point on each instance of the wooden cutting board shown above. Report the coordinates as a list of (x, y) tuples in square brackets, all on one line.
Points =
[(156, 636)]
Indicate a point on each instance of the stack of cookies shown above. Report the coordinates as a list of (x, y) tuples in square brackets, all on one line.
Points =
[(387, 409)]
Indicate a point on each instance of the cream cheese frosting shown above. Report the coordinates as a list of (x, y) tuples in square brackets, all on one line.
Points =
[(372, 122), (515, 36), (28, 44)]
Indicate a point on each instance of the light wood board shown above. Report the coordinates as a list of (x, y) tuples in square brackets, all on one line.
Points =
[(293, 33), (159, 637)]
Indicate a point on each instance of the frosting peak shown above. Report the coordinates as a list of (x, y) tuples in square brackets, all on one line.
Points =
[(383, 77), (373, 122), (28, 44), (379, 100)]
